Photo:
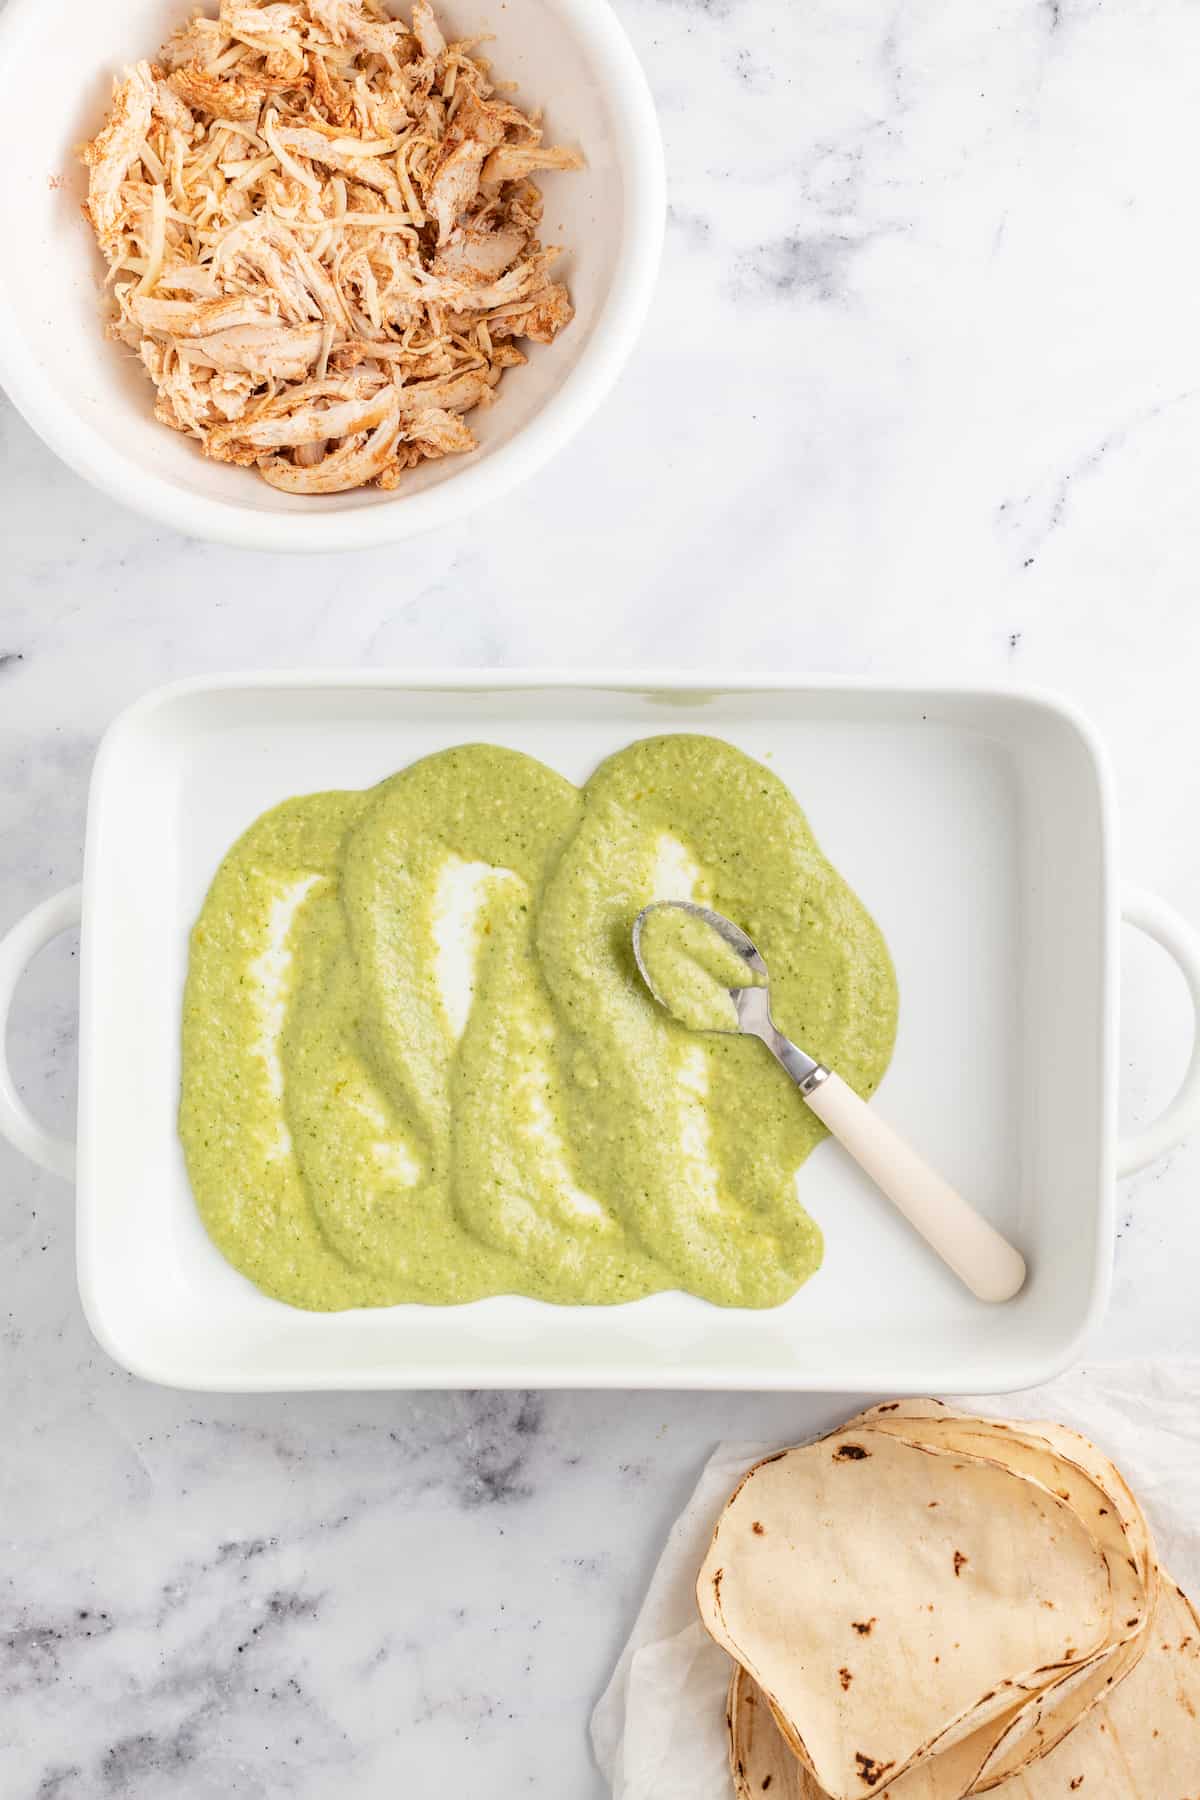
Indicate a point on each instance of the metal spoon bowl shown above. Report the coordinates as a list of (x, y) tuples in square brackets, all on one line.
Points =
[(751, 1003), (984, 1260)]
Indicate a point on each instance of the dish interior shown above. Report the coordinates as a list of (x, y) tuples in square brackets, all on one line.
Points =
[(55, 97), (972, 826)]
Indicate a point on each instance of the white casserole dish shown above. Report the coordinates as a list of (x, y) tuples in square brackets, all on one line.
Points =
[(90, 399), (977, 826)]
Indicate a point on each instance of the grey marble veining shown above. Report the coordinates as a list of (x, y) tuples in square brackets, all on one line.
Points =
[(919, 395)]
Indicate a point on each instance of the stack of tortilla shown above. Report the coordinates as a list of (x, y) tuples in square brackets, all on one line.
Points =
[(924, 1606)]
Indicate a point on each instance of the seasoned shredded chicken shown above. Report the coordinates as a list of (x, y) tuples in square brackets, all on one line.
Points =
[(321, 229)]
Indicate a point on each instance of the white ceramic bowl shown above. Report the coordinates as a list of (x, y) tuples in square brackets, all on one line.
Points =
[(91, 401)]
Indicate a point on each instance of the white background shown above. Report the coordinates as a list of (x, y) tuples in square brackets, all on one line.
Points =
[(919, 396)]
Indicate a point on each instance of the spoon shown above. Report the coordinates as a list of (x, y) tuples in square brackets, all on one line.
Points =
[(981, 1258)]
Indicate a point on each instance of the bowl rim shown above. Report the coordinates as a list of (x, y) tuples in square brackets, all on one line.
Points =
[(90, 453)]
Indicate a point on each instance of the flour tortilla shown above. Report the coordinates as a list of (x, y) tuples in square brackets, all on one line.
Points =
[(1071, 1465), (1043, 1719), (940, 1777), (759, 1758), (1070, 1699), (1060, 1438), (762, 1762), (837, 1564), (1141, 1743), (1106, 1475)]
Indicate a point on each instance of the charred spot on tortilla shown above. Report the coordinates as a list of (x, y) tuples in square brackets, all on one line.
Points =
[(845, 1677), (960, 1563), (778, 1457), (766, 1783), (870, 1769), (863, 1626), (850, 1453), (741, 1484), (758, 1528)]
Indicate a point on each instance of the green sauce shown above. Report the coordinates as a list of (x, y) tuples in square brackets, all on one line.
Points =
[(362, 1127), (692, 969)]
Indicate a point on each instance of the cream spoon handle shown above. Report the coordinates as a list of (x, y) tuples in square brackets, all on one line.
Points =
[(978, 1254)]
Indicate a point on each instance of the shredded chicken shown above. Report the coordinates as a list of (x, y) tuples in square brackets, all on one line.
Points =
[(322, 237)]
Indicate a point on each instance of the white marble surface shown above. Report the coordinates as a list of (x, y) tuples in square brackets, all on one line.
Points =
[(920, 395)]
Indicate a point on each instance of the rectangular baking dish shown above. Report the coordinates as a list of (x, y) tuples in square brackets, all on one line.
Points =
[(976, 825)]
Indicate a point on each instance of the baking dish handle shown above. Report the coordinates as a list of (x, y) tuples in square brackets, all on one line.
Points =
[(17, 951), (1182, 944), (1139, 908)]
